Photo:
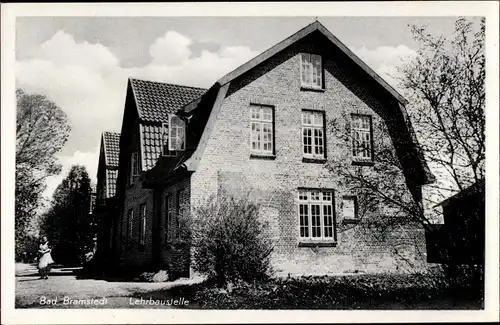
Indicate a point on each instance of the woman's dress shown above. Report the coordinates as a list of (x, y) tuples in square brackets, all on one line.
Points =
[(46, 258)]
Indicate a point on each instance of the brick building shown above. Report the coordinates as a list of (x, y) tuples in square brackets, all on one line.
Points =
[(264, 129)]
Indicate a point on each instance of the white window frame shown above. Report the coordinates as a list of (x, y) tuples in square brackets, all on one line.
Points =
[(134, 166), (355, 207), (325, 199), (179, 130), (257, 117), (311, 72), (164, 141), (314, 126), (168, 217), (142, 235), (130, 225), (362, 151)]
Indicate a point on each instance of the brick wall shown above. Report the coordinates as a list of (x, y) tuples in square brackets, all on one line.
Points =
[(175, 253), (226, 163), (132, 254)]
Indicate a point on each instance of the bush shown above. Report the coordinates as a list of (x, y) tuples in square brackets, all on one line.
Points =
[(229, 242)]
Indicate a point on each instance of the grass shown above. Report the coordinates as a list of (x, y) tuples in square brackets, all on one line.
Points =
[(359, 292)]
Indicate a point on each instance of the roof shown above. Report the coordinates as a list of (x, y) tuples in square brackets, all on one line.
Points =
[(476, 188), (210, 103), (315, 26), (111, 148), (151, 140), (155, 100)]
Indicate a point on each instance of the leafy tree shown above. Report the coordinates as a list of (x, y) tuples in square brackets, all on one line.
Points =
[(41, 130), (68, 224)]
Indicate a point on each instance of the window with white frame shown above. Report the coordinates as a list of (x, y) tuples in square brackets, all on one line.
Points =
[(130, 225), (165, 143), (142, 235), (316, 219), (311, 70), (134, 166), (178, 213), (349, 207), (313, 134), (362, 137), (262, 130), (168, 217), (176, 134)]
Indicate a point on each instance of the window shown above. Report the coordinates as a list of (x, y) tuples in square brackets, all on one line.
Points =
[(165, 143), (362, 137), (177, 134), (130, 225), (262, 130), (180, 195), (313, 134), (316, 218), (142, 236), (311, 71), (350, 208), (168, 215), (134, 166)]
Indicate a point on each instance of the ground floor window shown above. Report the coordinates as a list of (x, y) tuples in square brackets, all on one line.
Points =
[(316, 215)]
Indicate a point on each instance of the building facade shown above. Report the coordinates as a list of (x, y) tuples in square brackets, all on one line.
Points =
[(271, 129)]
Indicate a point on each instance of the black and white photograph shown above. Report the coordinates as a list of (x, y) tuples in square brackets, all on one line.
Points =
[(181, 159)]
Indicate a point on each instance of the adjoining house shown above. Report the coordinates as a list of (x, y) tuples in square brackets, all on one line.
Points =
[(105, 203), (262, 128), (460, 240)]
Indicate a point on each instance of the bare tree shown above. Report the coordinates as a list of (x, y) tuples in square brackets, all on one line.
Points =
[(445, 87)]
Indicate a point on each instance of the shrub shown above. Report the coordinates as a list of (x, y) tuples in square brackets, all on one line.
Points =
[(229, 242)]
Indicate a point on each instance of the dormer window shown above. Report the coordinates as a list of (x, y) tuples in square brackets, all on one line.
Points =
[(173, 136), (311, 71)]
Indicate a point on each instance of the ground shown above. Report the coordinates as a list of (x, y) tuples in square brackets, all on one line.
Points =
[(362, 291), (62, 282)]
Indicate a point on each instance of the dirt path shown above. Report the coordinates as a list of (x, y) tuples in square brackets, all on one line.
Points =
[(63, 289)]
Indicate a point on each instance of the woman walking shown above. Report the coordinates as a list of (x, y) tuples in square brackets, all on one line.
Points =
[(45, 258)]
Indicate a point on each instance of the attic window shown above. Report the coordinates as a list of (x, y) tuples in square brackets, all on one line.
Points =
[(176, 134), (311, 71), (164, 135)]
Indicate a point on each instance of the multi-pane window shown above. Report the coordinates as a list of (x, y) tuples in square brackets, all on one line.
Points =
[(262, 131), (134, 166), (168, 214), (130, 225), (164, 136), (311, 70), (349, 208), (180, 195), (142, 235), (176, 134), (361, 137), (313, 134), (316, 218)]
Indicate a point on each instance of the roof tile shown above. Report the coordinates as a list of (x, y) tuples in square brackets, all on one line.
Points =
[(111, 148), (111, 176), (155, 100)]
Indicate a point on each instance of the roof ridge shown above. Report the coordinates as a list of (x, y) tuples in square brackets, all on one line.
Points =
[(167, 83)]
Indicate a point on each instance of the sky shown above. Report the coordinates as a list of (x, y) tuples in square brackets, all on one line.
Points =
[(83, 63)]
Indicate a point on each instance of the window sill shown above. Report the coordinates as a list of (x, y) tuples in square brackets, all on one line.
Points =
[(363, 163), (317, 244), (313, 160), (262, 156), (308, 88), (350, 221)]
